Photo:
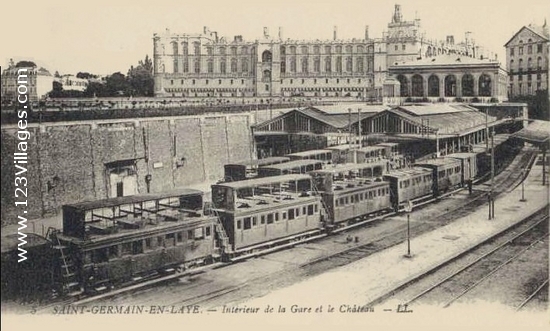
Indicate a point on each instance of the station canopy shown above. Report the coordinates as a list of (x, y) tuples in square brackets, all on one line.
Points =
[(537, 132)]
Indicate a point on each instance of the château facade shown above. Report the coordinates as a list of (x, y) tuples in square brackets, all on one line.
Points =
[(208, 66)]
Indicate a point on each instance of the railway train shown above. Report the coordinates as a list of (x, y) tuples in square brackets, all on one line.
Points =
[(114, 242)]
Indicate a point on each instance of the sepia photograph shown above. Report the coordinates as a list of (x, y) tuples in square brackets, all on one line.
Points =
[(298, 164)]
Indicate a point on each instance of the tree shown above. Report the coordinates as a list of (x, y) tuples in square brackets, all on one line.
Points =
[(85, 75), (140, 78), (22, 64), (116, 85), (56, 74)]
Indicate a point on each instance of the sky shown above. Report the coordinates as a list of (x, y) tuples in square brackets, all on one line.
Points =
[(104, 36)]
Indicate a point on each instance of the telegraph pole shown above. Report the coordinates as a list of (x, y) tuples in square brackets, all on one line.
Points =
[(522, 185), (359, 127), (491, 197), (349, 128)]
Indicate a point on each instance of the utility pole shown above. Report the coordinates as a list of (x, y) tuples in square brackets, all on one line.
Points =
[(522, 185), (491, 193), (486, 131), (349, 128), (359, 127)]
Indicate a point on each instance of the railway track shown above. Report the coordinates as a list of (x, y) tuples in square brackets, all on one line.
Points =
[(502, 183), (475, 267), (537, 294)]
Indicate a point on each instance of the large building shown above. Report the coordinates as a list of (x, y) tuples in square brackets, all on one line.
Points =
[(38, 82), (450, 78), (206, 65), (527, 60)]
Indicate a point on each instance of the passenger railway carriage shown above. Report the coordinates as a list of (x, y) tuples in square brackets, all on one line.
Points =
[(265, 211), (352, 191), (117, 240), (324, 155), (468, 166), (249, 169), (446, 173), (367, 153), (409, 184), (292, 167)]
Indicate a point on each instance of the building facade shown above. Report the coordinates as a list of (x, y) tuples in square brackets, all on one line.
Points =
[(450, 78), (527, 60), (206, 65), (37, 81), (73, 83)]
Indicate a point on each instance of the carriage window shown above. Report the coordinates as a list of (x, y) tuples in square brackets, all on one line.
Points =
[(449, 172), (357, 197), (239, 224), (254, 221), (179, 238), (113, 252), (262, 219), (316, 208), (291, 214), (207, 230), (362, 196), (351, 199), (310, 210), (336, 202), (347, 200), (276, 217), (100, 255), (342, 201), (199, 233), (387, 190), (170, 239), (247, 223), (442, 174), (284, 215), (148, 243), (303, 210), (269, 218), (297, 212), (400, 184), (126, 249), (370, 195)]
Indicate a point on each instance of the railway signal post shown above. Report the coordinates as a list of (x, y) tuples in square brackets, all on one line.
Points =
[(408, 209)]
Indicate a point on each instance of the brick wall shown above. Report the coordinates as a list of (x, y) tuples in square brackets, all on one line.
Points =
[(175, 151)]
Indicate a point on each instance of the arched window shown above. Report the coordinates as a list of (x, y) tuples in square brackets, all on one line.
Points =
[(450, 86), (339, 64), (197, 67), (327, 49), (283, 65), (283, 50), (233, 65), (316, 65), (244, 65), (244, 50), (210, 66), (360, 49), (433, 86), (417, 86), (266, 77), (184, 48), (197, 48), (348, 49), (316, 50), (304, 64), (529, 63), (222, 50), (338, 49), (328, 64), (404, 88), (175, 48), (520, 65), (293, 65), (185, 65), (233, 50), (468, 85), (222, 67), (266, 56), (349, 64), (304, 50), (293, 50), (485, 86), (539, 63), (360, 64)]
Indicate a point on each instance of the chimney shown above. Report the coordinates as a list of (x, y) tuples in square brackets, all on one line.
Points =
[(266, 32), (335, 33), (366, 32), (281, 33), (205, 30)]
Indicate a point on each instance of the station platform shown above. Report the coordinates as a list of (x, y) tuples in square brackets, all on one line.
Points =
[(365, 280)]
